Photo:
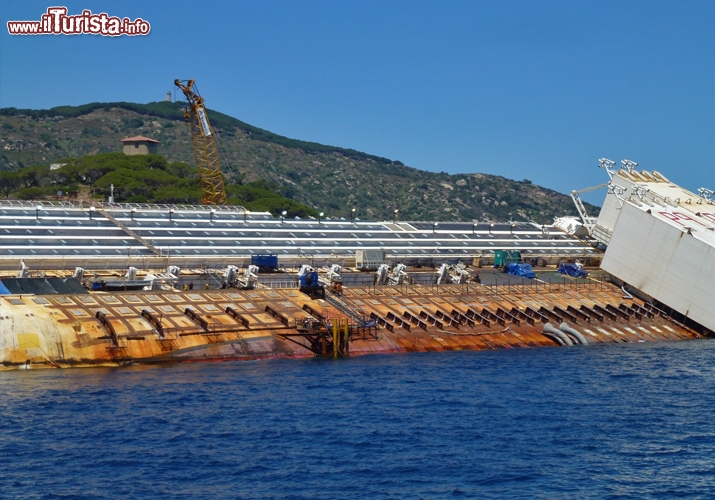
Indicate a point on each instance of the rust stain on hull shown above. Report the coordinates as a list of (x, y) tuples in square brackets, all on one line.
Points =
[(164, 327)]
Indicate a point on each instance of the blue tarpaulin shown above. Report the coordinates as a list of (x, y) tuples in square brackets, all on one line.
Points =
[(4, 290), (574, 270), (522, 270)]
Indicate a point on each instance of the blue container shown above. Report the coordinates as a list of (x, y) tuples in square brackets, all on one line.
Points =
[(265, 261)]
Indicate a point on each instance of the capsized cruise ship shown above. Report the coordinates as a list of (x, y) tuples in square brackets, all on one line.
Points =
[(340, 287)]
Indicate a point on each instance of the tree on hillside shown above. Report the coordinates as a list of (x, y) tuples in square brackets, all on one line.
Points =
[(32, 176), (30, 193), (183, 170), (8, 182), (66, 174)]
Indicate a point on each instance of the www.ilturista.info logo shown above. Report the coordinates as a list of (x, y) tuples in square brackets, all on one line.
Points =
[(57, 22)]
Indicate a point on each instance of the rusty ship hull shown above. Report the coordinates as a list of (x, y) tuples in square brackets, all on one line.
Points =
[(114, 329)]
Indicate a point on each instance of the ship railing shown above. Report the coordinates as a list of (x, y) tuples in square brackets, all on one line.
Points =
[(32, 204), (281, 284), (163, 207), (596, 281)]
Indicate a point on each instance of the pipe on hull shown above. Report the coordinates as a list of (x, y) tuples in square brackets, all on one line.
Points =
[(574, 333), (565, 339)]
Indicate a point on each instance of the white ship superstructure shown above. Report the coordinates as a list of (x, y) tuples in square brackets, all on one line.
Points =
[(660, 240)]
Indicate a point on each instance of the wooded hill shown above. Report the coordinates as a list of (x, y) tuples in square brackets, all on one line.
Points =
[(138, 179), (325, 178)]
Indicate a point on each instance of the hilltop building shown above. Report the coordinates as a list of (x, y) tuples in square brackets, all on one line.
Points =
[(139, 145)]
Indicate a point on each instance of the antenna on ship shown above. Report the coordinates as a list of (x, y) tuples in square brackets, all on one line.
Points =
[(608, 165), (628, 165), (705, 193)]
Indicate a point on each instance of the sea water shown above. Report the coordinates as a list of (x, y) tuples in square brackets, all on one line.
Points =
[(604, 421)]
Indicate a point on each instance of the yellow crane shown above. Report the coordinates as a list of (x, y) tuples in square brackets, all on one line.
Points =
[(205, 147)]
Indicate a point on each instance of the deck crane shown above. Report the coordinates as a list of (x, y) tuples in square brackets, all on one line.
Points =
[(454, 274), (205, 147), (588, 222)]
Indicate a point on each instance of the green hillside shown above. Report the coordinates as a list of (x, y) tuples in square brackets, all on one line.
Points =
[(325, 178)]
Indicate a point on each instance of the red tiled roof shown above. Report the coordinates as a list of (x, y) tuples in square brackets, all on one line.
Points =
[(139, 138)]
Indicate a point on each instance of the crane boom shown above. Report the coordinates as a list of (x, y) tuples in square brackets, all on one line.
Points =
[(205, 147), (588, 222)]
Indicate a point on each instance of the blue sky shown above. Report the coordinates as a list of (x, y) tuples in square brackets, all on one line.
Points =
[(525, 89)]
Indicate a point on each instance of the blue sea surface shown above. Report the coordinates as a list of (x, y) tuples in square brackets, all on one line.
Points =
[(605, 421)]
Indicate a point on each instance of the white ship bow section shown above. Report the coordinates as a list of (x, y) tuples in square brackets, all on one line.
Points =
[(661, 240)]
